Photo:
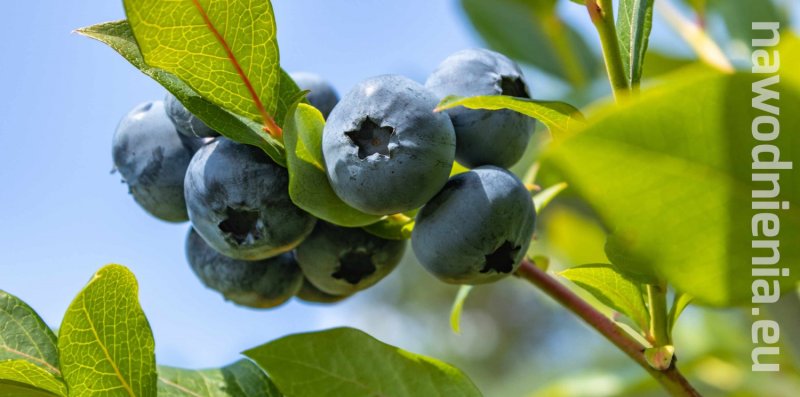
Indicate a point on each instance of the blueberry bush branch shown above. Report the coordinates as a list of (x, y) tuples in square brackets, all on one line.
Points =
[(670, 378)]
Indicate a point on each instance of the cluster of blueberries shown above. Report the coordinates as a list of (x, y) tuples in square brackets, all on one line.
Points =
[(386, 152)]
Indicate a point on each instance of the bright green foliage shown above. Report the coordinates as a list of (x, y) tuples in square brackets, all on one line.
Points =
[(240, 379), (119, 37), (532, 32), (543, 198), (635, 266), (657, 64), (612, 289), (634, 21), (28, 352), (23, 378), (309, 187), (458, 307), (559, 117), (348, 362), (227, 51), (670, 173), (680, 303), (25, 336), (105, 341), (393, 227)]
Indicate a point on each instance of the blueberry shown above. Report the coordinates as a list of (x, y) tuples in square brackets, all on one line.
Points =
[(484, 137), (238, 201), (152, 158), (309, 293), (186, 123), (322, 96), (260, 284), (385, 149), (477, 229), (341, 261)]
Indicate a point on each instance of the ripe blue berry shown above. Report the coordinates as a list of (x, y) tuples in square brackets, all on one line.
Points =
[(385, 149), (342, 261), (484, 137), (238, 200), (186, 123), (322, 95), (260, 284), (477, 229), (152, 158)]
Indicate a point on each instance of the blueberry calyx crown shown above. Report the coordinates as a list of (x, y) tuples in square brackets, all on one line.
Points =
[(371, 138), (354, 266), (502, 259), (241, 224)]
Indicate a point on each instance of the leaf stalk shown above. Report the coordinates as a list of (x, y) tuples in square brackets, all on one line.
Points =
[(601, 13), (657, 304)]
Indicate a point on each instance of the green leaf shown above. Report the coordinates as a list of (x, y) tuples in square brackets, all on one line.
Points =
[(25, 336), (458, 307), (635, 266), (532, 32), (308, 182), (613, 289), (559, 117), (392, 227), (633, 30), (657, 64), (541, 199), (227, 51), (23, 378), (670, 173), (348, 362), (240, 379), (679, 303), (119, 37), (105, 341)]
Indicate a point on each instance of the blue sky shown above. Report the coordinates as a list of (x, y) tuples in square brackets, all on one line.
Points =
[(63, 215)]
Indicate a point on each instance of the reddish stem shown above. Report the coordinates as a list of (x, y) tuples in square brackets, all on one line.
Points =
[(671, 379)]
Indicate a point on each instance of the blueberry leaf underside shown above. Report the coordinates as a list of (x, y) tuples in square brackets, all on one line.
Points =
[(633, 30), (371, 138), (354, 267), (502, 259)]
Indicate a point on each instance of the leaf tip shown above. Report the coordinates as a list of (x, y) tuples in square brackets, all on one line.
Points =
[(458, 307)]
